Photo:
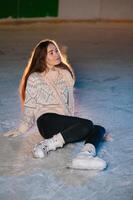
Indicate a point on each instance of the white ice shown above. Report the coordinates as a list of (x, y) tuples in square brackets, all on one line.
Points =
[(102, 57)]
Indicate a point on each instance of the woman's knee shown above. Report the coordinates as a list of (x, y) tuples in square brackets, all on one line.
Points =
[(41, 123), (43, 119), (44, 124), (101, 130), (42, 129)]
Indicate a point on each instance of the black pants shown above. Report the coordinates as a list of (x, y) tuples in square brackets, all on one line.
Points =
[(73, 129)]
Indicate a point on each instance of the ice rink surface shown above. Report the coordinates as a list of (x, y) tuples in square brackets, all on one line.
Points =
[(102, 57)]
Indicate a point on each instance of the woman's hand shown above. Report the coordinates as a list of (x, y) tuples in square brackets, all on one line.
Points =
[(107, 137), (12, 133)]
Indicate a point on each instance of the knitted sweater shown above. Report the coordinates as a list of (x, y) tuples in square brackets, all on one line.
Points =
[(40, 98)]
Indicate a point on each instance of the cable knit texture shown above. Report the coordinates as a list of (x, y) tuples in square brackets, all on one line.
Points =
[(40, 98)]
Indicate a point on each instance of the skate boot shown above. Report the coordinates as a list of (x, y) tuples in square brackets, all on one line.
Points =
[(41, 150)]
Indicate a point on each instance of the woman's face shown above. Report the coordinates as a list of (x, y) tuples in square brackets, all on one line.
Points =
[(53, 57)]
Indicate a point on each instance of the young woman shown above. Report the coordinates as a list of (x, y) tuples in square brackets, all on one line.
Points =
[(46, 92)]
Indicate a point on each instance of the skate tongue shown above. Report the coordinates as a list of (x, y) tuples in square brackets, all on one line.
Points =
[(90, 148)]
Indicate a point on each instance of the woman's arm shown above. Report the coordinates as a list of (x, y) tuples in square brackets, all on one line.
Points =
[(70, 85), (28, 117), (71, 100)]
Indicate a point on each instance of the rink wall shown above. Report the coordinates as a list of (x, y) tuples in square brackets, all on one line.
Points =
[(68, 9), (96, 9), (28, 8)]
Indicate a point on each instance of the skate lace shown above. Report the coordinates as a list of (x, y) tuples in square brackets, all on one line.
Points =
[(44, 147)]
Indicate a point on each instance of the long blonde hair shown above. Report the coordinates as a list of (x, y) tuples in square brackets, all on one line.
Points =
[(37, 63)]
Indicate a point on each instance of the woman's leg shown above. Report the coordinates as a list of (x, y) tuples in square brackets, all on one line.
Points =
[(72, 129), (87, 158), (59, 130), (96, 135)]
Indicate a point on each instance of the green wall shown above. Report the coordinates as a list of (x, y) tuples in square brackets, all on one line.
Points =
[(28, 8)]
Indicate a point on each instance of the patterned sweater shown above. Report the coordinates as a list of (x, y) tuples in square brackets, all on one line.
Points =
[(40, 98)]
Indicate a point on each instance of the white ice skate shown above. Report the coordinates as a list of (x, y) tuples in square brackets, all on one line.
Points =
[(87, 159), (41, 150)]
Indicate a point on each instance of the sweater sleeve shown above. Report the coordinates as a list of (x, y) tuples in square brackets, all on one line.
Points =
[(28, 118), (71, 100), (70, 85)]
